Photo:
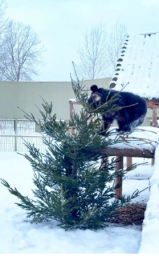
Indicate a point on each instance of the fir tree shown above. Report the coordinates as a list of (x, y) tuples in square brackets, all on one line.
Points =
[(72, 186)]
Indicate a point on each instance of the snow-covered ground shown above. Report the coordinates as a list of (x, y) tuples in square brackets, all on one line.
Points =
[(19, 236), (150, 233)]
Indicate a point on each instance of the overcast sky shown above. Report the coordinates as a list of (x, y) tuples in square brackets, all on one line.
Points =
[(60, 24)]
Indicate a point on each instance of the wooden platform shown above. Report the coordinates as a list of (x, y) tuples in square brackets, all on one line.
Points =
[(141, 143)]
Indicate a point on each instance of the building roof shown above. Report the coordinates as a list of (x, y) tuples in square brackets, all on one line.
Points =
[(138, 66)]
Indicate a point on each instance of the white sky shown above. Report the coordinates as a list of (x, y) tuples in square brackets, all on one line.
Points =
[(60, 24)]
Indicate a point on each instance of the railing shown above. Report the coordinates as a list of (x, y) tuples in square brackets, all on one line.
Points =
[(14, 132), (12, 143), (16, 126)]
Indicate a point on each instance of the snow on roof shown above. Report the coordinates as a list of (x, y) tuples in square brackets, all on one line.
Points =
[(138, 66)]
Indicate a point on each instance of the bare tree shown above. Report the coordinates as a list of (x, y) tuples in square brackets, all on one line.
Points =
[(93, 54), (3, 20), (20, 53), (114, 44), (100, 52)]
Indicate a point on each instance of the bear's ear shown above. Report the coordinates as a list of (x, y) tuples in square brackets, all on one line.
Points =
[(94, 88)]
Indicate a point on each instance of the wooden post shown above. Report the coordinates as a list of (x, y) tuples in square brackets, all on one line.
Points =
[(154, 116), (104, 162), (129, 161), (118, 179), (152, 161), (91, 118), (154, 121), (72, 111)]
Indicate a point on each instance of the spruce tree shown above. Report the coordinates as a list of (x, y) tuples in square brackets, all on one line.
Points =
[(72, 185)]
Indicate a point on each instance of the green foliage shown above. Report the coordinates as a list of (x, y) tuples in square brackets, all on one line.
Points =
[(72, 186)]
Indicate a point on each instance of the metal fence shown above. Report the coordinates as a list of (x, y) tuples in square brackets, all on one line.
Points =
[(16, 126), (14, 132), (17, 143)]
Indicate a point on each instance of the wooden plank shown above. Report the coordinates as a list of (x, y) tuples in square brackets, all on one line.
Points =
[(152, 103), (118, 179), (127, 152)]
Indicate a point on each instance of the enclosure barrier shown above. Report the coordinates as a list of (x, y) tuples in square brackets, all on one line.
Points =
[(11, 143), (17, 126)]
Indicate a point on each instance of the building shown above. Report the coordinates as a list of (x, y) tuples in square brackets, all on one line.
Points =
[(28, 96), (137, 70)]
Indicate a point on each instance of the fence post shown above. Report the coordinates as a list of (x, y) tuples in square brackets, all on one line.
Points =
[(118, 179), (129, 161), (155, 124), (15, 131), (72, 112)]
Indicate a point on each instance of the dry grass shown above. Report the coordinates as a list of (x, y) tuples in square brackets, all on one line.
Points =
[(132, 214)]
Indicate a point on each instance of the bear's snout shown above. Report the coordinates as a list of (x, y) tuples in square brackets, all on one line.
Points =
[(95, 97)]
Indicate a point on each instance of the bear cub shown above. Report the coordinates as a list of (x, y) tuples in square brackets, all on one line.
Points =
[(128, 117)]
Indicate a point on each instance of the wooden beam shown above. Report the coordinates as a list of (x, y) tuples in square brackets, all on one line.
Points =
[(74, 102), (152, 103), (127, 152), (155, 117)]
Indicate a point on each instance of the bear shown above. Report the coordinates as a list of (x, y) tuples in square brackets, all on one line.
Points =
[(131, 110)]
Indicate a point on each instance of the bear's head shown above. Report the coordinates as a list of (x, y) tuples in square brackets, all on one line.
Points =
[(99, 95)]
